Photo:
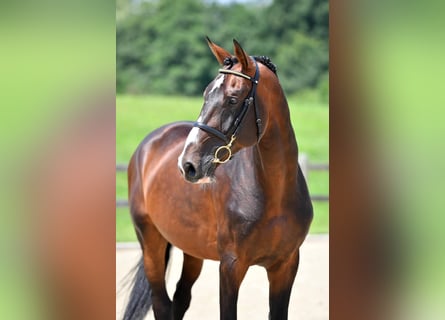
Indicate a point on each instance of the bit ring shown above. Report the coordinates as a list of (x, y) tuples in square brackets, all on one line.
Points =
[(216, 158)]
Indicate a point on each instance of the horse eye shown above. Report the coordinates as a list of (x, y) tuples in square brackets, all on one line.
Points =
[(233, 100)]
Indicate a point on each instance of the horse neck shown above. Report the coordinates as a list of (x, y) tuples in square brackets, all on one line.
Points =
[(277, 151)]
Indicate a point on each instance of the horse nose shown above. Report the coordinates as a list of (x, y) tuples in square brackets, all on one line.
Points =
[(190, 172)]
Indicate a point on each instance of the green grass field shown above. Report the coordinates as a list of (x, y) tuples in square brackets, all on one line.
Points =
[(136, 116)]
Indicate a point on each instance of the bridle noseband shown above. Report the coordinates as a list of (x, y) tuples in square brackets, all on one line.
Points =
[(231, 134)]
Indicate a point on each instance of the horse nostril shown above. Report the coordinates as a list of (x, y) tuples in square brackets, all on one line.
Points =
[(189, 170)]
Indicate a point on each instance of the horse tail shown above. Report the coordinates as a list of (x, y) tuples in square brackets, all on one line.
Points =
[(140, 297)]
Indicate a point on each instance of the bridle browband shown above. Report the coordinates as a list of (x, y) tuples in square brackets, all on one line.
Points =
[(231, 134)]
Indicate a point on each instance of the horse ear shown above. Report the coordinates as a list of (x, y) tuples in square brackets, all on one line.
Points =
[(219, 53), (242, 56)]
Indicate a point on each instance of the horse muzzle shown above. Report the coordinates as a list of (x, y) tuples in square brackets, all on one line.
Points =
[(196, 172)]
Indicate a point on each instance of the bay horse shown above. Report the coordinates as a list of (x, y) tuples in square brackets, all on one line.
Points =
[(239, 195)]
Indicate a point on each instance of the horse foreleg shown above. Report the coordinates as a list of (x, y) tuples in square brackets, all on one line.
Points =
[(154, 250), (281, 278), (231, 274), (190, 272)]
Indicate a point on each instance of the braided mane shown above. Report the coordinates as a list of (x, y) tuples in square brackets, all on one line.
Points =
[(267, 62), (262, 59)]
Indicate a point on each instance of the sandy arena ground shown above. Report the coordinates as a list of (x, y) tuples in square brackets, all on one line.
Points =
[(309, 299)]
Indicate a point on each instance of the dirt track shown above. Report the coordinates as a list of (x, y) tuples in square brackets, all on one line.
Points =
[(310, 294)]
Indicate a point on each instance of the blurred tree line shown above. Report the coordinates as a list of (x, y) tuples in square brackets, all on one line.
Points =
[(161, 44)]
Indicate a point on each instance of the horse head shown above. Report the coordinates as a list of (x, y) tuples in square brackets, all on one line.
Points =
[(231, 118)]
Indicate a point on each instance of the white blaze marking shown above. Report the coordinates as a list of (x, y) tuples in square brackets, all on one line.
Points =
[(191, 138), (218, 83), (193, 135)]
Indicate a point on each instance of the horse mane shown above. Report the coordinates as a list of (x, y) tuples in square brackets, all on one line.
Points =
[(267, 62), (262, 59)]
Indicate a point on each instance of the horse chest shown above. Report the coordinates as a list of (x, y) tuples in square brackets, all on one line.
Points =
[(257, 230)]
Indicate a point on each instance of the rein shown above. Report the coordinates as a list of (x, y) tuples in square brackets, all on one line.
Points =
[(231, 134)]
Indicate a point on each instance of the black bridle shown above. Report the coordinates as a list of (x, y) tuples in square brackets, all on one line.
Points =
[(231, 134)]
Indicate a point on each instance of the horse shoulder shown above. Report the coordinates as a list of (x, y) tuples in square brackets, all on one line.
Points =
[(299, 203), (147, 159)]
